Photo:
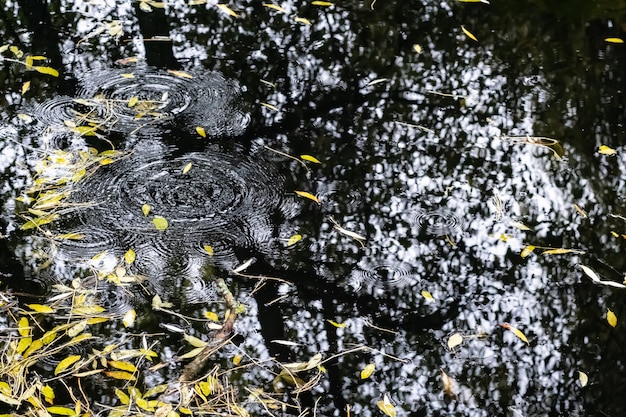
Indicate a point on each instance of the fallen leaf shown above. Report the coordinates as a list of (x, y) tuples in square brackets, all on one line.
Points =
[(611, 318), (517, 332), (605, 150), (129, 318), (468, 34), (308, 195), (201, 131), (338, 325), (454, 341), (428, 296), (590, 273), (310, 159), (294, 239), (582, 378), (527, 251), (145, 209), (614, 40), (187, 168), (129, 256), (66, 363), (448, 385), (224, 8), (367, 371), (160, 222), (386, 406)]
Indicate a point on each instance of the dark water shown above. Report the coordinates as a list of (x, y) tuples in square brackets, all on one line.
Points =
[(433, 157)]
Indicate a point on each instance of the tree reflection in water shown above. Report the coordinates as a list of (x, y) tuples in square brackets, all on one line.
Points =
[(408, 141)]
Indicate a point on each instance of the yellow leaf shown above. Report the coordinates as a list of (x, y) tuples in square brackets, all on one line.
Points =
[(124, 399), (454, 341), (181, 74), (132, 101), (129, 256), (192, 353), (468, 34), (160, 222), (145, 209), (208, 249), (48, 337), (559, 251), (237, 359), (321, 3), (63, 411), (194, 341), (269, 106), (201, 131), (23, 344), (428, 296), (517, 332), (582, 377), (122, 365), (38, 308), (308, 195), (211, 316), (187, 168), (224, 8), (294, 239), (87, 310), (23, 328), (448, 385), (527, 251), (275, 7), (611, 318), (70, 236), (46, 70), (310, 159), (77, 328), (129, 318), (474, 1), (520, 226), (605, 150), (339, 325), (126, 376), (614, 40), (48, 393), (66, 363), (417, 48), (302, 20), (25, 87), (580, 211), (386, 407), (367, 371)]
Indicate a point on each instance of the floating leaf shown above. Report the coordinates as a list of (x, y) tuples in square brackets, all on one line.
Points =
[(212, 316), (454, 341), (70, 236), (201, 131), (580, 211), (304, 366), (468, 33), (386, 407), (122, 365), (527, 251), (338, 325), (208, 249), (611, 318), (583, 379), (187, 168), (23, 328), (66, 363), (275, 7), (48, 394), (590, 273), (520, 226), (367, 371), (310, 159), (308, 195), (132, 101), (448, 385), (417, 48), (224, 8), (25, 87), (129, 318), (46, 70), (237, 359), (559, 251), (160, 222), (123, 375), (302, 20), (244, 265), (269, 106), (194, 341), (517, 332), (39, 308), (428, 296), (605, 150), (145, 209), (321, 3), (294, 239), (180, 74), (129, 256), (62, 411), (614, 40)]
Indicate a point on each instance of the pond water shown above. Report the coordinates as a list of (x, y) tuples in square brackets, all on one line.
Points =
[(430, 192)]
